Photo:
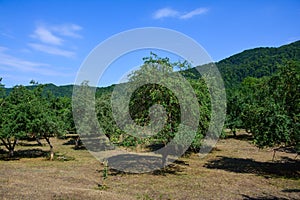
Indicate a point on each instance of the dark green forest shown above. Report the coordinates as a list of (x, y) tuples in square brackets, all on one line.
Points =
[(262, 87)]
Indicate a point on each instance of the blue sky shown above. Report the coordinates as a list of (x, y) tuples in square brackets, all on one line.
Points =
[(48, 40)]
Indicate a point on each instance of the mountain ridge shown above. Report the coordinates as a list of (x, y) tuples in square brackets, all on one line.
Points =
[(256, 62)]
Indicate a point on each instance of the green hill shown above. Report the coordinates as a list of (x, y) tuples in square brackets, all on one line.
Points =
[(65, 90), (257, 62)]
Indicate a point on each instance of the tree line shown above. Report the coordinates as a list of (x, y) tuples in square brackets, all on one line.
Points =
[(267, 106), (28, 113)]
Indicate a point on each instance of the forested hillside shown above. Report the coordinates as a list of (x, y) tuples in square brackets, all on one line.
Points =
[(258, 62), (65, 90), (262, 97)]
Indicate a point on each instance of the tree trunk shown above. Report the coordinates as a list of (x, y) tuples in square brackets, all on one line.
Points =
[(10, 147), (11, 153), (38, 141), (77, 142), (51, 148), (51, 153), (5, 144), (234, 132)]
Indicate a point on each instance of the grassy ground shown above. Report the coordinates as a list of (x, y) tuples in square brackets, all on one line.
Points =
[(235, 169)]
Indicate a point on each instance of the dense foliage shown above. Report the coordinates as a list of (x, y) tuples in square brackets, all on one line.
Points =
[(146, 94), (28, 113), (257, 63), (270, 107), (262, 88)]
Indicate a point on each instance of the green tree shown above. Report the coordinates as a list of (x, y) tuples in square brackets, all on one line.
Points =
[(158, 105), (106, 119), (14, 118), (234, 111), (271, 107), (26, 112), (43, 121), (62, 106), (85, 118)]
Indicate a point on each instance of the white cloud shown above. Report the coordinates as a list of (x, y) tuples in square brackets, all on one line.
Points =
[(46, 36), (13, 64), (8, 60), (198, 11), (51, 50), (69, 30), (56, 34), (169, 12), (49, 37), (165, 12)]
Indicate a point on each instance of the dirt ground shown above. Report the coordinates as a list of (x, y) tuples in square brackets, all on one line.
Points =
[(235, 169)]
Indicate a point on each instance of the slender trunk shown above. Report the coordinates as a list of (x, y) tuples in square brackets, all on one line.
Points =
[(234, 132), (5, 144), (15, 142), (10, 147), (11, 153), (51, 148), (13, 147), (51, 153), (9, 144), (38, 141), (273, 155), (77, 142)]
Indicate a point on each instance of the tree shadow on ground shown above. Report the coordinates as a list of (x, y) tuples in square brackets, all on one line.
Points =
[(2, 152), (173, 150), (133, 164), (69, 142), (24, 144), (28, 153), (291, 190), (287, 168), (96, 143), (268, 197), (173, 168), (72, 142)]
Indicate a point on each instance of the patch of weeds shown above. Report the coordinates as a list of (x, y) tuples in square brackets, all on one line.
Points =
[(144, 197), (152, 197), (102, 187), (61, 157)]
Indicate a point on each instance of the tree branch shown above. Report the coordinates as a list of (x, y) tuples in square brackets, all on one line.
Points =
[(5, 144)]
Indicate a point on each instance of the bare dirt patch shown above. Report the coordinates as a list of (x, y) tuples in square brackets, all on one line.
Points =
[(235, 169)]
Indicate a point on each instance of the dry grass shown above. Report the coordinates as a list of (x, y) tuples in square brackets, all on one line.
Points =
[(234, 170)]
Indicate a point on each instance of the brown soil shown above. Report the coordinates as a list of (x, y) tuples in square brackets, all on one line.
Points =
[(235, 169)]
